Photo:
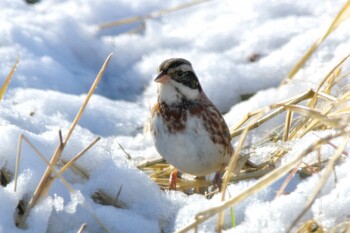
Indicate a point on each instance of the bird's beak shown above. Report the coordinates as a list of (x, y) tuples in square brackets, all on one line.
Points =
[(162, 77)]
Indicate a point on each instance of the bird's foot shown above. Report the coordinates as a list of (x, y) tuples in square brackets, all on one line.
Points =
[(217, 181), (172, 180)]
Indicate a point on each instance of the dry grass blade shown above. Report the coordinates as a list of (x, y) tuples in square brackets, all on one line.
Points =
[(297, 99), (82, 228), (127, 155), (232, 167), (76, 169), (332, 122), (288, 179), (333, 73), (326, 97), (261, 184), (246, 118), (183, 184), (341, 16), (42, 187), (334, 146), (75, 158), (91, 91), (103, 198), (330, 81), (150, 163), (18, 158), (287, 124), (152, 15), (7, 80), (343, 227), (324, 178), (253, 174)]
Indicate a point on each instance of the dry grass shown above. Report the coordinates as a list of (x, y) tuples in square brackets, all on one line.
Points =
[(52, 173), (341, 16), (313, 110), (101, 197)]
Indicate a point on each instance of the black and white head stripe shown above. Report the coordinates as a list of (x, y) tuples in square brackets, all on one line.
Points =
[(180, 71), (172, 63)]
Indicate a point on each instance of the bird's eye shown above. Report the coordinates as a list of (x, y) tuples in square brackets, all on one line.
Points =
[(180, 73)]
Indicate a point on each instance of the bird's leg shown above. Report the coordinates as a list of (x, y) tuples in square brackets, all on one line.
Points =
[(217, 181), (173, 179)]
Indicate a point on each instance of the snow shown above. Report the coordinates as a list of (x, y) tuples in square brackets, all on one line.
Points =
[(61, 50)]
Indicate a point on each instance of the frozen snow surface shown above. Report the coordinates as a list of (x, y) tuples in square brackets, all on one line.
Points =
[(61, 50)]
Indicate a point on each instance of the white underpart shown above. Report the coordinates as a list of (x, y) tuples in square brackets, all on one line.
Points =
[(190, 151), (169, 94)]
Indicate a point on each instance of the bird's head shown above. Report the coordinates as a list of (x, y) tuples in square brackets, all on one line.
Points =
[(177, 81)]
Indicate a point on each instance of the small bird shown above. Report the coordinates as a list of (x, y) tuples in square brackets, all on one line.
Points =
[(188, 130)]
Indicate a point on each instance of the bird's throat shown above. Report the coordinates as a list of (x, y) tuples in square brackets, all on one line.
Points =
[(173, 93)]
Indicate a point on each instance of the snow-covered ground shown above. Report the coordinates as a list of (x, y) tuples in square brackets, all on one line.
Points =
[(61, 50)]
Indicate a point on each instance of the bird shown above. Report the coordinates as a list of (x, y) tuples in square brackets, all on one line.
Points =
[(188, 130)]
